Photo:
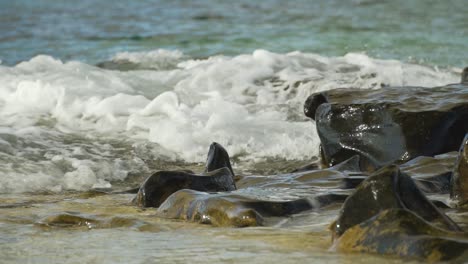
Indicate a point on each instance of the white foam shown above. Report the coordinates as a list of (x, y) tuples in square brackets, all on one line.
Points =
[(61, 123)]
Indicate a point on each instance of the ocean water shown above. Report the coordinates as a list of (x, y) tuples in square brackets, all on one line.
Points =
[(98, 94), (192, 73)]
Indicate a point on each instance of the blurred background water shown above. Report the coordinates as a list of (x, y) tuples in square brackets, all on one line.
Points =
[(422, 31)]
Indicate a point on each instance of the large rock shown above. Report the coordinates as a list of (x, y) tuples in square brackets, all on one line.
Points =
[(386, 189), (402, 233), (459, 181), (218, 176), (391, 124)]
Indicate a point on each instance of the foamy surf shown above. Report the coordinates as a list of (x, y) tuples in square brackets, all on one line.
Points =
[(74, 126)]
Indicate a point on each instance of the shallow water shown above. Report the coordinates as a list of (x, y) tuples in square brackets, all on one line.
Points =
[(97, 96), (139, 237)]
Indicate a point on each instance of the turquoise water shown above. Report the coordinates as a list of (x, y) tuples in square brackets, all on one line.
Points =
[(425, 32)]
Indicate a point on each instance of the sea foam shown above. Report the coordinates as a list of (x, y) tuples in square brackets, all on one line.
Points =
[(74, 126)]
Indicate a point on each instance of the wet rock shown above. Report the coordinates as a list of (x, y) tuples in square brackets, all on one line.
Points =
[(402, 233), (459, 181), (313, 102), (162, 184), (385, 189), (217, 158), (391, 124), (431, 174), (68, 220), (218, 176), (464, 76), (73, 220), (227, 209), (119, 65)]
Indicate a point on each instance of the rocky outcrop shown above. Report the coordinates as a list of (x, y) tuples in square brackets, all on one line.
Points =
[(391, 124)]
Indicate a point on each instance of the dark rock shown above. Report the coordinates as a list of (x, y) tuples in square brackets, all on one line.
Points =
[(312, 103), (403, 233), (121, 65), (391, 124), (218, 176), (459, 183), (352, 182), (464, 76), (162, 184), (385, 189), (431, 174), (308, 167), (217, 158)]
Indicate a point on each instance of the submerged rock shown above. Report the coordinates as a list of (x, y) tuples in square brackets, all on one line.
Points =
[(218, 176), (304, 179), (459, 182), (403, 233), (431, 174), (391, 124), (69, 220), (385, 189), (230, 209)]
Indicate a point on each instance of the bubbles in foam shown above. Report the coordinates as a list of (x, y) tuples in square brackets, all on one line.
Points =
[(57, 118)]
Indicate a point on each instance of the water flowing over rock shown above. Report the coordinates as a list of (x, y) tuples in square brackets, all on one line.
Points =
[(226, 209)]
